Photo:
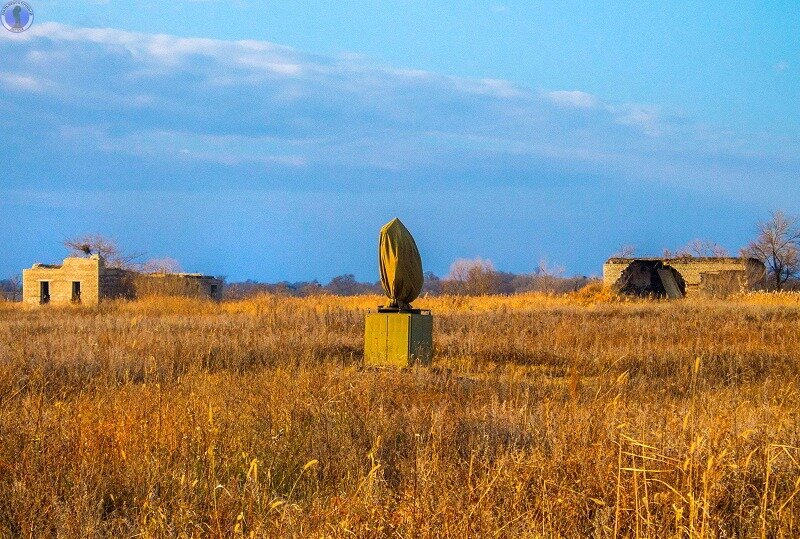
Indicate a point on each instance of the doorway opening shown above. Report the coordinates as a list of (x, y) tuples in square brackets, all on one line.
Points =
[(651, 278), (44, 292)]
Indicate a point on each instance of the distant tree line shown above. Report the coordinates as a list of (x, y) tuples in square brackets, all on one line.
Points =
[(467, 277), (776, 244)]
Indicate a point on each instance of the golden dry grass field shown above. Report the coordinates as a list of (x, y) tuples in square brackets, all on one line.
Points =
[(572, 416)]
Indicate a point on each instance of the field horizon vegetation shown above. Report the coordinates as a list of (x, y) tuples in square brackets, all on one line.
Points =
[(575, 415)]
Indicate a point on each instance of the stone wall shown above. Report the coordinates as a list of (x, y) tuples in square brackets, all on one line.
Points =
[(612, 270), (116, 283), (176, 284), (693, 270), (86, 271), (722, 283)]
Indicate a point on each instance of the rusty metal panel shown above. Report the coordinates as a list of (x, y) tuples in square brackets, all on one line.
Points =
[(375, 339), (421, 341), (670, 285)]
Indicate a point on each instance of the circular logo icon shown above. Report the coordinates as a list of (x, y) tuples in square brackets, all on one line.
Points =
[(17, 16)]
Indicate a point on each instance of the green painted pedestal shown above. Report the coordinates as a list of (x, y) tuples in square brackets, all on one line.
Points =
[(398, 339)]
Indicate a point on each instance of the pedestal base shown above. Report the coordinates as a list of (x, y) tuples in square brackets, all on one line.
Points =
[(398, 339)]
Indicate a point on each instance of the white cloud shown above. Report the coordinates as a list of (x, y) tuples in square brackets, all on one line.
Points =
[(413, 73), (171, 50), (491, 87), (222, 149), (258, 104), (782, 66), (22, 83), (643, 117), (573, 99), (272, 66), (498, 7)]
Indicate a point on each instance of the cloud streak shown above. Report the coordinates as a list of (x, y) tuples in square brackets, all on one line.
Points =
[(573, 98), (272, 108), (22, 83)]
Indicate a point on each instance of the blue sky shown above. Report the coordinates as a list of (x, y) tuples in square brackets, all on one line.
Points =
[(271, 140)]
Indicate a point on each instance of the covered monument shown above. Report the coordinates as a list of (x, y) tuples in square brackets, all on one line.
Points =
[(400, 265), (398, 334)]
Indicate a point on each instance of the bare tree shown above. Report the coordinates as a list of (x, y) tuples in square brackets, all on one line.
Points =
[(432, 285), (703, 248), (161, 265), (16, 288), (107, 248), (11, 289), (708, 248), (347, 285), (777, 245), (547, 277), (625, 251), (471, 277), (698, 248)]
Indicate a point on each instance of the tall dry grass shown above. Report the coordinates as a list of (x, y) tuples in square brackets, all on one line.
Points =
[(544, 416)]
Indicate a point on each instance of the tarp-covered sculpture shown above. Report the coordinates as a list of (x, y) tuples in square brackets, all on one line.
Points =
[(401, 265)]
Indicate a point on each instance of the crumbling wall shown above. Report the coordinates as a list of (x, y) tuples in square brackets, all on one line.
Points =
[(83, 270), (756, 274), (612, 270), (693, 269), (117, 283), (169, 284), (722, 283)]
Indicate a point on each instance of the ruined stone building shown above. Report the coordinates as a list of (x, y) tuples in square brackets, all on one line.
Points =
[(89, 281), (684, 276)]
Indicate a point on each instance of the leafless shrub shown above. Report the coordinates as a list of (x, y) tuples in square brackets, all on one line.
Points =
[(475, 277), (777, 245), (161, 265), (107, 248)]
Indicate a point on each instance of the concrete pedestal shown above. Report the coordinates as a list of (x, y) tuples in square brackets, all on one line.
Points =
[(398, 339)]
